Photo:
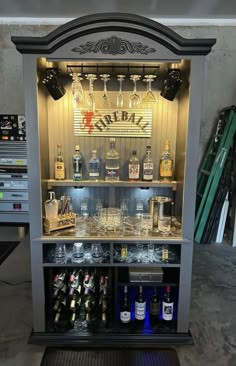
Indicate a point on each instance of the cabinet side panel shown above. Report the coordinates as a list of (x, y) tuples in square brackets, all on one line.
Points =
[(183, 116), (192, 149)]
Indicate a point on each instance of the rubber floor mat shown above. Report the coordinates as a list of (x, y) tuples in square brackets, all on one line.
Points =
[(75, 357)]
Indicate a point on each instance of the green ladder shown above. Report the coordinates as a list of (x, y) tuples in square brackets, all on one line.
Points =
[(211, 170)]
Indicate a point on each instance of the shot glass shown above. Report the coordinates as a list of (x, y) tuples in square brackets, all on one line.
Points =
[(78, 253), (60, 253)]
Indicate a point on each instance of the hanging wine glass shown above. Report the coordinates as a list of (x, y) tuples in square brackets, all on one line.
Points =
[(120, 97), (91, 97), (106, 104), (149, 96), (134, 100), (77, 90)]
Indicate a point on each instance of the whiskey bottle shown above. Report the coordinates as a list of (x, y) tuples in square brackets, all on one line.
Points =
[(59, 165), (134, 167), (112, 162), (125, 312), (167, 305), (148, 166), (166, 163), (77, 164), (140, 306)]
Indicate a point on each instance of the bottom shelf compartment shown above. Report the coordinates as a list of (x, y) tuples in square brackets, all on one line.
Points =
[(87, 302)]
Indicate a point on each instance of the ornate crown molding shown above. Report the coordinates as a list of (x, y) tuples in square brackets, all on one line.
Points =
[(113, 46)]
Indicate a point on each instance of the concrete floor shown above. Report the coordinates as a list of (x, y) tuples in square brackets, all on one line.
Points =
[(212, 323)]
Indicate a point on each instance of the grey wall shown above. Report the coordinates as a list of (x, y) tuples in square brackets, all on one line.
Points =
[(220, 76)]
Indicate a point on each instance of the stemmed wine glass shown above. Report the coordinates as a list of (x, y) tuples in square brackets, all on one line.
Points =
[(120, 98), (105, 98), (77, 90), (91, 97), (149, 96), (134, 100)]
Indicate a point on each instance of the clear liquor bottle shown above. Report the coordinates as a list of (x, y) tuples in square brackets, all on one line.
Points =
[(59, 165), (148, 165), (112, 162), (77, 164), (166, 163), (134, 167), (94, 166)]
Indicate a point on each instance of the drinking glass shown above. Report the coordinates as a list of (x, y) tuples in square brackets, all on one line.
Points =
[(151, 252), (77, 90), (60, 253), (120, 98), (97, 252), (84, 207), (106, 104), (134, 100), (149, 96), (78, 253), (91, 97), (139, 250), (146, 223)]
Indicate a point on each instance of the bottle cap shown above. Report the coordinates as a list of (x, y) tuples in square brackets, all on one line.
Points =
[(112, 139), (134, 152), (94, 151), (77, 147)]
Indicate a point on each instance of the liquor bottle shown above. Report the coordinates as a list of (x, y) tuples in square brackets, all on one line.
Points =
[(77, 164), (154, 306), (140, 305), (59, 165), (125, 313), (103, 305), (112, 162), (94, 166), (58, 282), (167, 305), (134, 167), (89, 303), (148, 166), (124, 253), (166, 163), (165, 253)]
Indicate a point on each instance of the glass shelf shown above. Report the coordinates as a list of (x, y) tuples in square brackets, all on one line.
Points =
[(103, 183), (88, 229)]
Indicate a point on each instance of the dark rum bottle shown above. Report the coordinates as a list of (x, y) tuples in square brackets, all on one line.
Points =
[(154, 306), (125, 313)]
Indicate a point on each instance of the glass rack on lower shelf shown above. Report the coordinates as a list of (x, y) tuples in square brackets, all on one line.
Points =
[(97, 253)]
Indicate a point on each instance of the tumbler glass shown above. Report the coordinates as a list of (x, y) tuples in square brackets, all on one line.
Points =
[(78, 253), (60, 253)]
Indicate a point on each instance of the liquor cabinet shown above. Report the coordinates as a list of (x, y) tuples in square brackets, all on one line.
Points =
[(114, 44)]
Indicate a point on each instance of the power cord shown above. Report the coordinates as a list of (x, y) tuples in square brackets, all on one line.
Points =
[(14, 284)]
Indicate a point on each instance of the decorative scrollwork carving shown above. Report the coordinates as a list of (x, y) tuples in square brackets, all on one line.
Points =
[(113, 46)]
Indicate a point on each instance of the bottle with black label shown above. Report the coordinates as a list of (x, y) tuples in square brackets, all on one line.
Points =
[(154, 306), (77, 164), (148, 166), (167, 305), (140, 305), (125, 313)]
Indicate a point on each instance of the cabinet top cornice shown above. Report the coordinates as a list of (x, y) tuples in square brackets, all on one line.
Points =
[(114, 22)]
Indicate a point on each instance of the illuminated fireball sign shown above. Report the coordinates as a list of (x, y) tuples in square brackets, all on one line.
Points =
[(104, 122)]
